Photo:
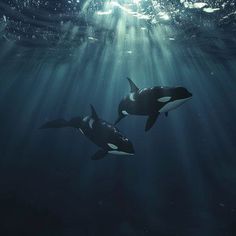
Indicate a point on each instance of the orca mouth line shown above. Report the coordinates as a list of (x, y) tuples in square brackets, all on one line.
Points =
[(187, 98)]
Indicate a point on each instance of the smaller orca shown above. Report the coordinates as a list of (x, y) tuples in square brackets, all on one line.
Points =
[(151, 102), (100, 132)]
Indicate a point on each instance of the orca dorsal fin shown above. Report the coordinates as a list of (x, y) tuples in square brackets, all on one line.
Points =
[(94, 113), (133, 87)]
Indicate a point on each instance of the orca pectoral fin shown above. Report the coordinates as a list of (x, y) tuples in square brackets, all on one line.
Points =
[(100, 154), (151, 120), (59, 123)]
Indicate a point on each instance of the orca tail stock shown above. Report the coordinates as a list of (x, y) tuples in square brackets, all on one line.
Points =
[(62, 123)]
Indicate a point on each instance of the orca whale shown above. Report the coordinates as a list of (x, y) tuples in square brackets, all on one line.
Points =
[(100, 132), (151, 102)]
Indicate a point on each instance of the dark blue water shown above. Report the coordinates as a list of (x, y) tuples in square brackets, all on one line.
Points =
[(55, 60)]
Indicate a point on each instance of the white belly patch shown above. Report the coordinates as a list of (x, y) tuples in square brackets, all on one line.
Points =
[(172, 105), (119, 153)]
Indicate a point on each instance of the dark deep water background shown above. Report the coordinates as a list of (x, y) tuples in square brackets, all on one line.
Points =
[(182, 179)]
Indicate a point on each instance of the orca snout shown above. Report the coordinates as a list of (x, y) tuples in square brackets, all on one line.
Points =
[(130, 149), (187, 94)]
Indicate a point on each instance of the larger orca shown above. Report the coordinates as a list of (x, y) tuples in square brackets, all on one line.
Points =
[(151, 102), (100, 132)]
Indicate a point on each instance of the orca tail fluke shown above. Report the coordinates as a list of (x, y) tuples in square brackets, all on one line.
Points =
[(151, 121), (59, 123), (100, 154)]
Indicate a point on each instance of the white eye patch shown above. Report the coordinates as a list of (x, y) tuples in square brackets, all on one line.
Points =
[(113, 146), (125, 139), (164, 99), (125, 113)]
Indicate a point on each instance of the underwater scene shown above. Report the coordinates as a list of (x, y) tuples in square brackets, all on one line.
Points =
[(117, 118)]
